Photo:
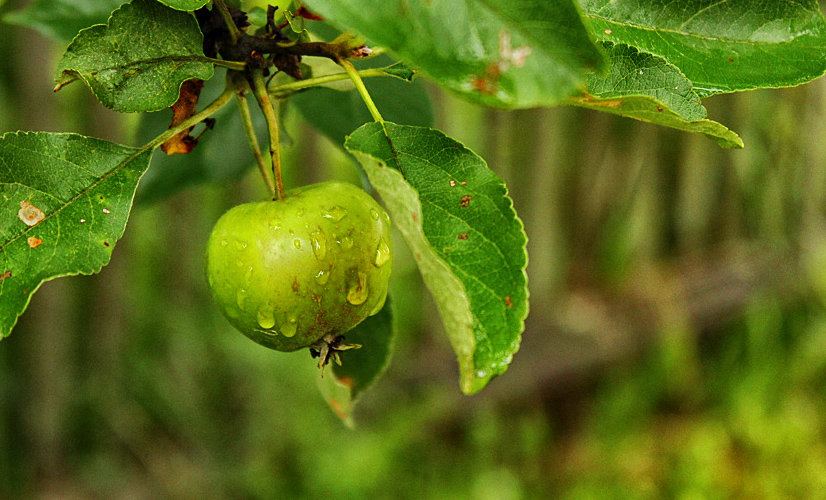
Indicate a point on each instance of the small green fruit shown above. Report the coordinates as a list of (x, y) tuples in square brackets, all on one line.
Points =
[(301, 271)]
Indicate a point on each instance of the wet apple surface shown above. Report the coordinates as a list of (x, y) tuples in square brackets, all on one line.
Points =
[(288, 273)]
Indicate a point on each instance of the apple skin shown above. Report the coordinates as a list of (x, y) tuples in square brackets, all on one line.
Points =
[(288, 273)]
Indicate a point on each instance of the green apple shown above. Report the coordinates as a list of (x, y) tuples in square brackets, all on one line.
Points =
[(302, 271)]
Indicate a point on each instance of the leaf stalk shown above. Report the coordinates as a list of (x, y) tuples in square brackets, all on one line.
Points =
[(322, 80), (246, 119), (259, 89), (193, 120), (354, 75)]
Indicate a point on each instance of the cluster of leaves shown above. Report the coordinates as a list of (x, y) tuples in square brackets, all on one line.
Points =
[(67, 197)]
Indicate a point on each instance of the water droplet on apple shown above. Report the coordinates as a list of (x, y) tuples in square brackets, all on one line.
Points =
[(319, 245), (374, 214), (240, 298), (322, 277), (289, 328), (357, 292), (266, 320), (240, 245), (297, 243), (224, 243), (274, 225), (382, 253), (335, 214), (346, 242)]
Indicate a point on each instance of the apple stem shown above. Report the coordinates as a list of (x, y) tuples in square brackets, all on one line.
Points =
[(259, 88), (354, 75), (246, 119)]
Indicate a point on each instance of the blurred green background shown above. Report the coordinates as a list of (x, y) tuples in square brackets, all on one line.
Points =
[(676, 346)]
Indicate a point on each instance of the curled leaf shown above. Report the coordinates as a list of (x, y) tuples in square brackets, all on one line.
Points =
[(183, 109)]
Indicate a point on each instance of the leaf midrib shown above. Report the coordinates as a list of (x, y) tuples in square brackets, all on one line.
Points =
[(140, 62)]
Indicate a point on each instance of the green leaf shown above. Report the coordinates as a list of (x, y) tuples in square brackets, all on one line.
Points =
[(64, 201), (361, 367), (509, 54), (401, 71), (637, 73), (137, 61), (721, 46), (456, 217), (185, 4), (648, 88), (62, 19), (650, 110), (337, 113)]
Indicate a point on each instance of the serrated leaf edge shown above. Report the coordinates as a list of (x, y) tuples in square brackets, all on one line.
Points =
[(68, 76), (408, 219), (613, 105), (469, 381), (166, 2), (137, 153)]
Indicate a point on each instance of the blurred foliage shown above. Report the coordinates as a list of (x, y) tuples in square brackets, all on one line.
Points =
[(130, 384)]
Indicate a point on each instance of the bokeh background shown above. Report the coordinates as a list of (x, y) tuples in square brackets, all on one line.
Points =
[(676, 345)]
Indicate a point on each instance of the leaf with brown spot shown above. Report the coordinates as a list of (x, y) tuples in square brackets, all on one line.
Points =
[(61, 179), (515, 54), (647, 87), (468, 286)]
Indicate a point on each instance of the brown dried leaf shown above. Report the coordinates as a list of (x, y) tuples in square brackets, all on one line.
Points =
[(183, 109)]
